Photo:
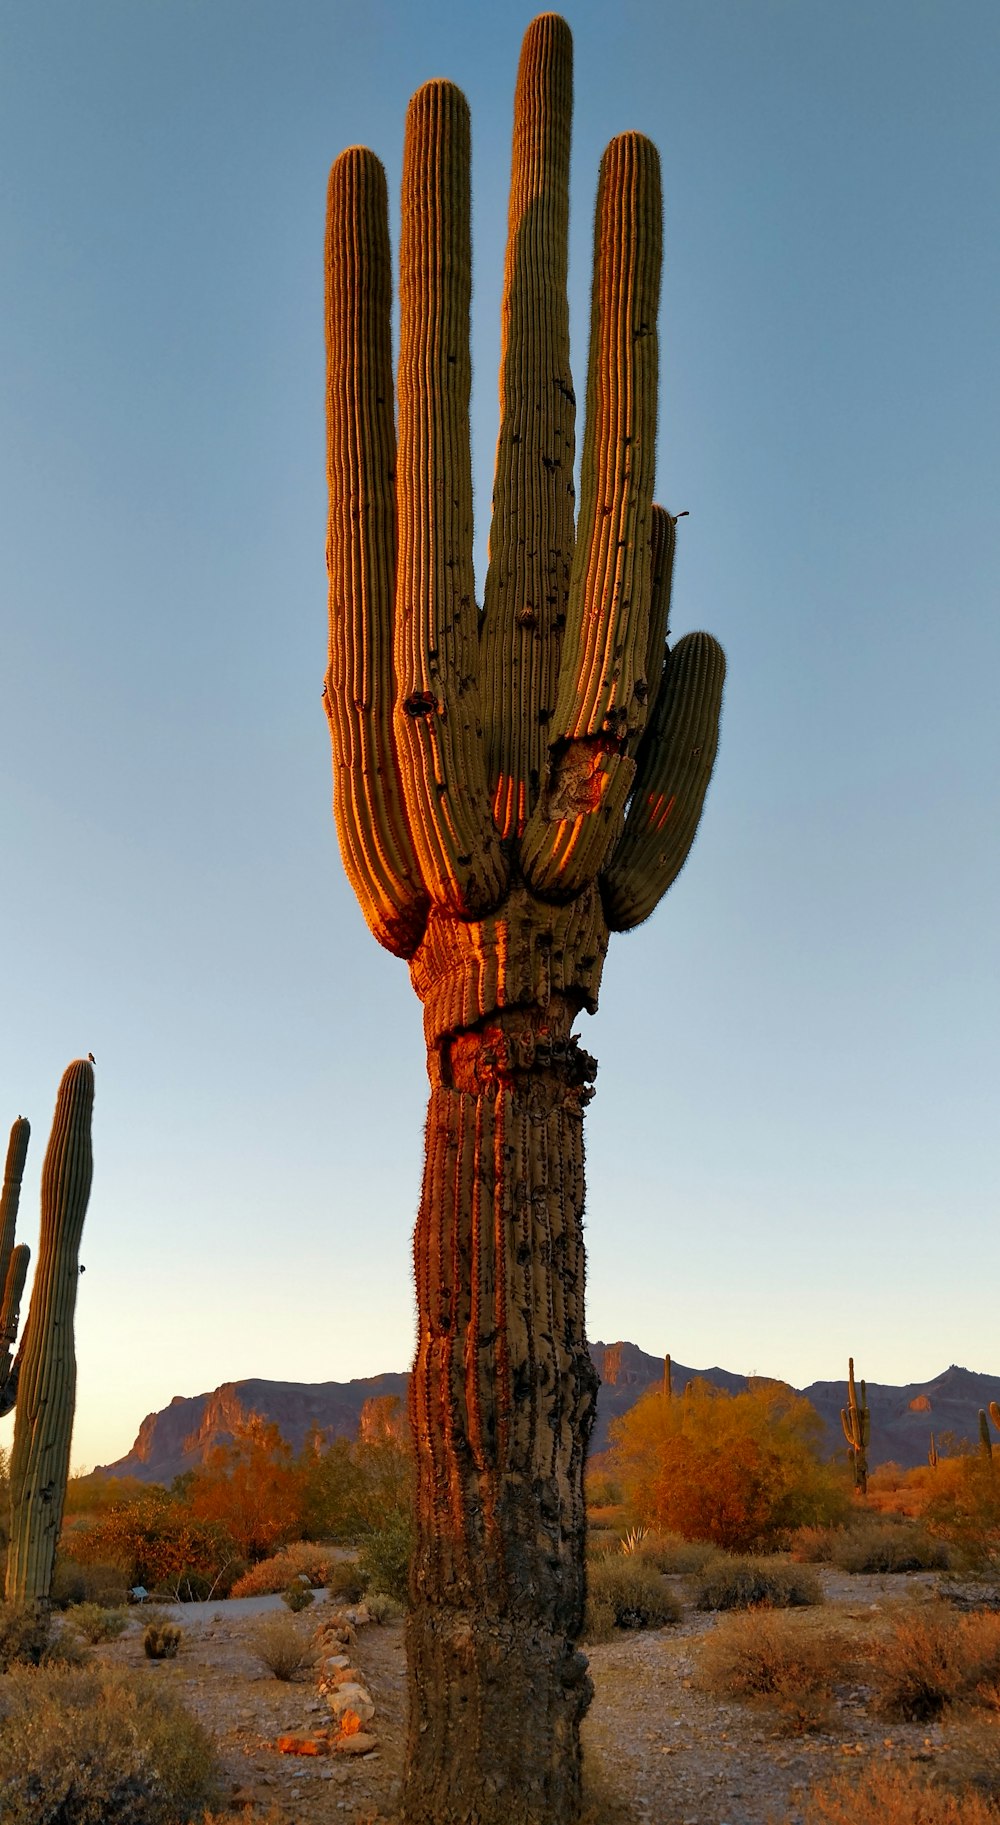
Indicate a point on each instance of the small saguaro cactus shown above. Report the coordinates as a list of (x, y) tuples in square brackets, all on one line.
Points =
[(509, 788), (985, 1441), (44, 1373), (856, 1421), (932, 1453), (668, 1387)]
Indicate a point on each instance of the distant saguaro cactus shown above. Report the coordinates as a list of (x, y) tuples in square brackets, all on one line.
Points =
[(985, 1441), (44, 1373), (856, 1421), (509, 788)]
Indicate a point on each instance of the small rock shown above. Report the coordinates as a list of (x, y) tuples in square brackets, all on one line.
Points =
[(358, 1744), (351, 1698), (296, 1742)]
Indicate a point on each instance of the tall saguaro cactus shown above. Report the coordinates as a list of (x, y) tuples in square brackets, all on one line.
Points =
[(857, 1423), (509, 787), (45, 1370), (13, 1261)]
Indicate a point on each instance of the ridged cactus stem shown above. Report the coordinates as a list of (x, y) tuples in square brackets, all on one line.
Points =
[(932, 1453), (668, 1390), (46, 1392), (985, 1441), (856, 1421), (481, 825), (502, 1398), (13, 1261)]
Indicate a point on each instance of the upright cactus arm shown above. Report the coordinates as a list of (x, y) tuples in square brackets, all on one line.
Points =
[(46, 1394), (437, 721), (360, 690), (995, 1414), (603, 690), (13, 1260), (675, 766), (985, 1442), (527, 582)]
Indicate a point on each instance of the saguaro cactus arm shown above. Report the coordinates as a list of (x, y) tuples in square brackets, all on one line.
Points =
[(13, 1260), (46, 1391)]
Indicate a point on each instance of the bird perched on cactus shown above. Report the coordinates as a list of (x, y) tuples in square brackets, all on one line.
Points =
[(41, 1381), (510, 787), (856, 1421)]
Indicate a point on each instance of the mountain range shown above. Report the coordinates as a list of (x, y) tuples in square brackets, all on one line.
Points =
[(181, 1436)]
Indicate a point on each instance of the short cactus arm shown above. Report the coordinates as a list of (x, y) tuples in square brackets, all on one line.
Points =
[(13, 1261), (361, 551), (527, 583), (39, 1465), (675, 766), (437, 720), (603, 690)]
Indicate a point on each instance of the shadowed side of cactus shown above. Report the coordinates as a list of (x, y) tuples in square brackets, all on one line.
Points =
[(46, 1364), (508, 789), (856, 1421), (13, 1260)]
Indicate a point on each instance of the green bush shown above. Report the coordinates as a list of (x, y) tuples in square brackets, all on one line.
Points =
[(93, 1747), (97, 1624), (297, 1597), (633, 1593), (384, 1557), (742, 1584)]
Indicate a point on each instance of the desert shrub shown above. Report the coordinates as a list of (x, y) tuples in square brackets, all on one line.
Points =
[(601, 1540), (886, 1546), (929, 1658), (351, 1486), (346, 1581), (97, 1624), (742, 1471), (156, 1542), (297, 1597), (270, 1576), (383, 1608), (742, 1584), (384, 1556), (93, 1747), (774, 1659), (161, 1640), (634, 1592), (965, 1513), (672, 1555), (599, 1619), (75, 1582), (893, 1796), (814, 1545), (24, 1636), (278, 1641)]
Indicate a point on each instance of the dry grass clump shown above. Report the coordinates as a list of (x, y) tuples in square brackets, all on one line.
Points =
[(279, 1642), (673, 1555), (887, 1546), (92, 1747), (271, 1576), (28, 1639), (623, 1593), (742, 1584), (930, 1658), (894, 1796), (778, 1659)]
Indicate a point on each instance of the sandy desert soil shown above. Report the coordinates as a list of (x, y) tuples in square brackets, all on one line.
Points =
[(659, 1751)]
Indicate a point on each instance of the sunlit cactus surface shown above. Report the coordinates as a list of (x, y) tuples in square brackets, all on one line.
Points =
[(511, 784)]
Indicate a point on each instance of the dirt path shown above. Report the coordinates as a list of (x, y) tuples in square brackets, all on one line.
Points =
[(662, 1752)]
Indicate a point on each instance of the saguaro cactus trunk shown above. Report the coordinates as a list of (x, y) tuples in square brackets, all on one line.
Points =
[(46, 1362), (509, 787)]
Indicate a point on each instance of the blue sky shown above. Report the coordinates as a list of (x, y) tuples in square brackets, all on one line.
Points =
[(792, 1152)]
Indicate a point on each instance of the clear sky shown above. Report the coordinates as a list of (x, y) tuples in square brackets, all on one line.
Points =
[(792, 1153)]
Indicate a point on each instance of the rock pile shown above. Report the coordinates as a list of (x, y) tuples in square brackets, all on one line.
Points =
[(348, 1699)]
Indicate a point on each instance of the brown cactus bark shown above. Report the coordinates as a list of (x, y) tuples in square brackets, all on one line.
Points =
[(502, 1400)]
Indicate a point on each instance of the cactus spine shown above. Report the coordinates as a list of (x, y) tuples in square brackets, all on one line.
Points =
[(506, 794), (856, 1421), (46, 1364)]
